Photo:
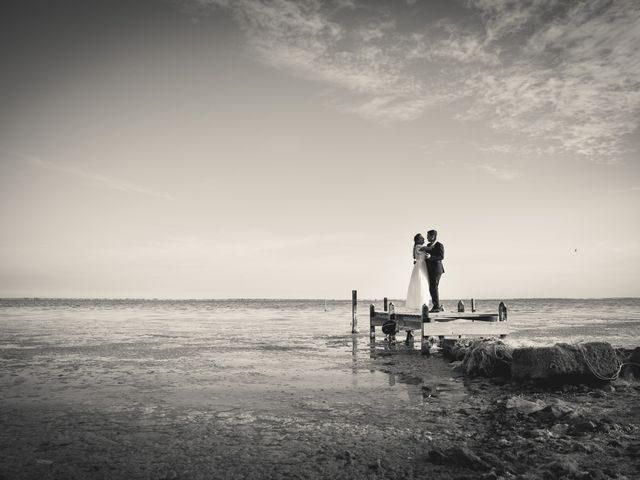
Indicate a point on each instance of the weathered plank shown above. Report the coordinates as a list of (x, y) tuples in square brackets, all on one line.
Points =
[(463, 327), (380, 317)]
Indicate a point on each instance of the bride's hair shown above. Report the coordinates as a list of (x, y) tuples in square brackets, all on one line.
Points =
[(416, 237)]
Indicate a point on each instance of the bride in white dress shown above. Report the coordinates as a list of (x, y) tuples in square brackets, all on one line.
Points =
[(418, 291)]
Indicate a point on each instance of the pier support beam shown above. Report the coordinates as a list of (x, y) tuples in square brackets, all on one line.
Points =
[(392, 318), (372, 327), (424, 341)]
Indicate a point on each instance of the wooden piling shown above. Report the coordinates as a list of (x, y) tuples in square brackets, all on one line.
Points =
[(460, 306), (424, 341), (473, 305), (385, 304), (502, 314), (354, 309), (392, 317), (372, 327)]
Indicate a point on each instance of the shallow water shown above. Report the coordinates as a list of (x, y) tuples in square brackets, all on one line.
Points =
[(262, 354), (241, 389)]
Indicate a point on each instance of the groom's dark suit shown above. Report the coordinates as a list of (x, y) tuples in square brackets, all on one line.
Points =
[(434, 270)]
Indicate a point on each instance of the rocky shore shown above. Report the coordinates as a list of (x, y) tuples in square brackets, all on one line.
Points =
[(451, 425)]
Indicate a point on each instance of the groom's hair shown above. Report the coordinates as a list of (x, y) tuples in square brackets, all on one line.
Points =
[(432, 232)]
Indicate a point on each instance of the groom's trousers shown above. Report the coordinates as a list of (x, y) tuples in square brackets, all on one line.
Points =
[(434, 281)]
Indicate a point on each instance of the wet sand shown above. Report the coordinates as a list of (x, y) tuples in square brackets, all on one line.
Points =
[(170, 408)]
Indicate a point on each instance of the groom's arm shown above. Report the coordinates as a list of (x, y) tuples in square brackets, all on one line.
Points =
[(437, 252)]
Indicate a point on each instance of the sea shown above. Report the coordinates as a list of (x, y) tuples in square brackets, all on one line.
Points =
[(269, 323), (247, 355)]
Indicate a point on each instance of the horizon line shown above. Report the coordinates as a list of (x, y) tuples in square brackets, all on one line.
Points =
[(319, 299)]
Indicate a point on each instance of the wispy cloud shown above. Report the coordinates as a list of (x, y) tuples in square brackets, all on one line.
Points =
[(562, 77), (105, 181), (635, 188), (309, 38), (498, 172), (574, 81)]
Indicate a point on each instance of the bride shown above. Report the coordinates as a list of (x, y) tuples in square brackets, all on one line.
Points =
[(418, 291)]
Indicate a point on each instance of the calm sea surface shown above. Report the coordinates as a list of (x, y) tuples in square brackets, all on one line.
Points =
[(288, 323), (240, 360)]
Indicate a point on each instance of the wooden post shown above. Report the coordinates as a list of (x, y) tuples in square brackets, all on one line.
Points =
[(372, 327), (502, 314), (354, 314), (460, 306), (392, 316), (424, 341), (385, 303), (473, 304)]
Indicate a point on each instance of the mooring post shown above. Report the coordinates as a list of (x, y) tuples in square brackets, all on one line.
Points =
[(354, 309), (385, 305), (372, 326), (460, 306), (473, 304), (424, 341)]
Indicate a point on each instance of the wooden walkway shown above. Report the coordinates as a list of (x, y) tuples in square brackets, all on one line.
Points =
[(441, 325)]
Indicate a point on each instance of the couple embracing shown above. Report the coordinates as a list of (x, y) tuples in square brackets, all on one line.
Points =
[(427, 270)]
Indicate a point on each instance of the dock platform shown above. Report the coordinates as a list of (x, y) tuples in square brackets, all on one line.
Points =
[(440, 325)]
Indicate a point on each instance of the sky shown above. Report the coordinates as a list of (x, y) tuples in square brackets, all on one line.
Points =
[(292, 149)]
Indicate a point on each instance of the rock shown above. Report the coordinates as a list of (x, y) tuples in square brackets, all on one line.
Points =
[(503, 442), (347, 456), (564, 467), (526, 407), (632, 368), (583, 426), (458, 456), (492, 475), (455, 349), (438, 457), (592, 361), (488, 358), (493, 460), (554, 412), (457, 366)]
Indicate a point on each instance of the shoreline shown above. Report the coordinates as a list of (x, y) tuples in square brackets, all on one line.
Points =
[(449, 425)]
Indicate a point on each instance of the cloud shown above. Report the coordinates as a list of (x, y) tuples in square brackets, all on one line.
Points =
[(571, 82), (308, 38), (559, 77), (499, 173), (635, 188), (109, 182)]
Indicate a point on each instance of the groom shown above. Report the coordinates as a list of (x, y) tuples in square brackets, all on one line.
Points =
[(434, 254)]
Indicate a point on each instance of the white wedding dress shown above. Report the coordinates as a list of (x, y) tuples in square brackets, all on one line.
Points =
[(418, 291)]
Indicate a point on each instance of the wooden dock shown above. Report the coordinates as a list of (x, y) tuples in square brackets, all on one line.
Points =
[(440, 325)]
